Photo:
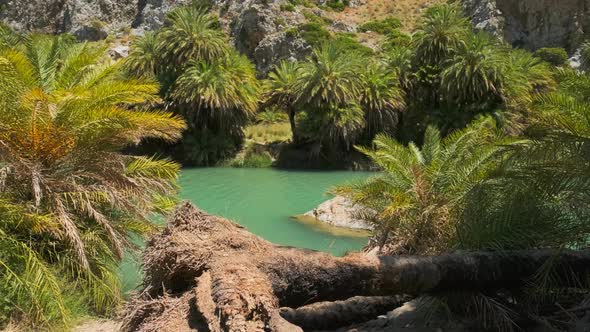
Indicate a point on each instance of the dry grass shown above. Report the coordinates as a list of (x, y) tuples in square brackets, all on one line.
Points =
[(268, 133), (408, 11)]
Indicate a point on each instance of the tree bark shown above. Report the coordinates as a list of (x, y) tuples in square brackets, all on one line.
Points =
[(330, 315), (239, 281), (293, 126)]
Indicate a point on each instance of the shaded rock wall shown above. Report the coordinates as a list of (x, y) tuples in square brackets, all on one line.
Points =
[(533, 24)]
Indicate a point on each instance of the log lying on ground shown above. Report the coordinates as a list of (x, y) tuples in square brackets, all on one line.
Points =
[(236, 281), (356, 309)]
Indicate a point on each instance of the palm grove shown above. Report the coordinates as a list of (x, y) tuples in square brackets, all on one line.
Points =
[(482, 146)]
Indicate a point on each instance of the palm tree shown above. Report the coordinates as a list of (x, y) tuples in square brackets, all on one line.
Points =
[(330, 77), (280, 91), (65, 115), (415, 202), (9, 38), (585, 56), (217, 97), (328, 88), (435, 40), (525, 77), (381, 98), (224, 91), (475, 71), (143, 59), (203, 79), (538, 197), (399, 60), (190, 34), (439, 34)]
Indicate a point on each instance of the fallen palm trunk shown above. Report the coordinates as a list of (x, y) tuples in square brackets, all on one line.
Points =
[(236, 281), (321, 315)]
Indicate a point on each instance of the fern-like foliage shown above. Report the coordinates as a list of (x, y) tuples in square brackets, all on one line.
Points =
[(414, 203)]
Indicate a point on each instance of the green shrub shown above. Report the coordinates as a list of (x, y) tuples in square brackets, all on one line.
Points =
[(345, 41), (397, 38), (288, 7), (292, 32), (585, 56), (308, 4), (313, 18), (338, 5), (386, 26), (280, 21), (555, 56), (314, 33)]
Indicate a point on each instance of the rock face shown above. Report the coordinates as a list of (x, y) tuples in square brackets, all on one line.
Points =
[(86, 19), (257, 27), (340, 212), (533, 24)]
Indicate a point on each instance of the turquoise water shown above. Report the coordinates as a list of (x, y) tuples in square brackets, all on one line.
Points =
[(264, 201)]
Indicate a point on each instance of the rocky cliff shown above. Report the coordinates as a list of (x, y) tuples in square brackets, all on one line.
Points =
[(257, 27), (533, 24), (87, 19)]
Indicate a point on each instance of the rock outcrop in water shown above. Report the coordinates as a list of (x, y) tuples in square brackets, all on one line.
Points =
[(340, 212), (533, 24)]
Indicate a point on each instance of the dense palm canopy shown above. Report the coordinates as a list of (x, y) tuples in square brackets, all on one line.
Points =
[(538, 196), (213, 87), (190, 34), (69, 197), (381, 97), (475, 71), (329, 78), (226, 90), (441, 31), (143, 58)]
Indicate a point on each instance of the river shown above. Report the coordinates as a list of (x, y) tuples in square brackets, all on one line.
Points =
[(264, 201)]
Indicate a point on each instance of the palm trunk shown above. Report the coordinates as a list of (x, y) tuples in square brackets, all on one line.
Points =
[(293, 126), (236, 281)]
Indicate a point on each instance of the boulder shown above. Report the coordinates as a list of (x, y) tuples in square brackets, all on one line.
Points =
[(341, 212), (118, 51)]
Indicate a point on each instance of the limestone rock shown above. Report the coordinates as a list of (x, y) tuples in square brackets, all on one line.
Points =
[(533, 24), (258, 28), (118, 51), (150, 14), (341, 212), (86, 19)]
